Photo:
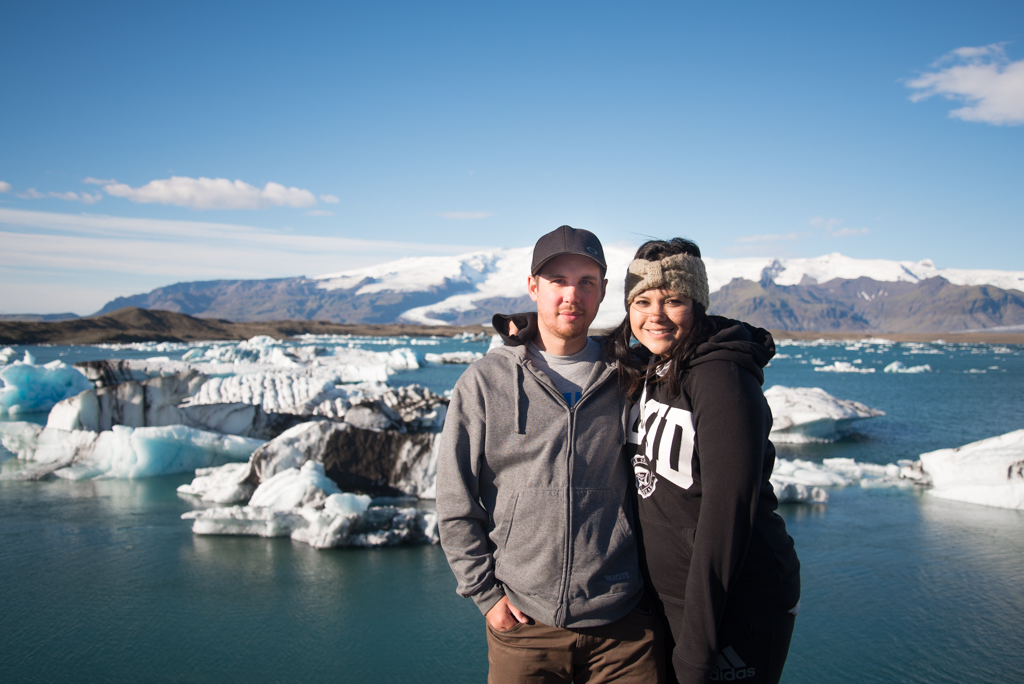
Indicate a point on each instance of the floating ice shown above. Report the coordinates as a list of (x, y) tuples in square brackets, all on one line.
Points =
[(989, 472), (803, 481), (810, 414), (7, 354), (843, 367), (302, 503), (226, 484), (28, 387), (123, 452), (899, 367), (463, 357)]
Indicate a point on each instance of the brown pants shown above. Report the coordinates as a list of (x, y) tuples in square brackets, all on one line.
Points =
[(628, 651)]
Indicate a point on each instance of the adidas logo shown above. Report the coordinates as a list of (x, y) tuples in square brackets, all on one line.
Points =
[(731, 667)]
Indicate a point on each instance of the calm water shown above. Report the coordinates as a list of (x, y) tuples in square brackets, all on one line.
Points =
[(103, 582)]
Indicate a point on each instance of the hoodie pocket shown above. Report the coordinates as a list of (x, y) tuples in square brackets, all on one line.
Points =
[(532, 557), (604, 546), (668, 550)]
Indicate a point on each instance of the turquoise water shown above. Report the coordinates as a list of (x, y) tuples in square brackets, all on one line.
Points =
[(102, 582)]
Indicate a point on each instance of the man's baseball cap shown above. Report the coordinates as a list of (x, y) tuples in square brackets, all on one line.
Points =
[(567, 240)]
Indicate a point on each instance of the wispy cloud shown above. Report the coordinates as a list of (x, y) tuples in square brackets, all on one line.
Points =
[(184, 250), (835, 227), (212, 193), (84, 197), (5, 186), (991, 86), (319, 212), (98, 181), (465, 215), (329, 199)]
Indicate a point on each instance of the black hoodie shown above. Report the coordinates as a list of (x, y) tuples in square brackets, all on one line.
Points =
[(710, 534)]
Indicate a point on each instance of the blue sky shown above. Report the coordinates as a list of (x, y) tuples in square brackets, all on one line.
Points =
[(143, 144)]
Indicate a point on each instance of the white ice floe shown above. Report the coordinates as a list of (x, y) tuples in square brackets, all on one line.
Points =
[(810, 414), (804, 481), (29, 388), (899, 367), (843, 367), (302, 503), (989, 472), (227, 484), (460, 357), (7, 354), (123, 452)]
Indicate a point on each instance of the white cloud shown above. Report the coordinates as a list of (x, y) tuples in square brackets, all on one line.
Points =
[(329, 199), (465, 215), (212, 193), (991, 86), (835, 227), (184, 250), (98, 181), (84, 197), (319, 212), (5, 186)]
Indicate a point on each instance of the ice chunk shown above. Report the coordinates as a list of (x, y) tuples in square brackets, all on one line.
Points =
[(462, 357), (378, 461), (810, 414), (989, 472), (802, 481), (123, 452), (295, 487), (899, 367), (28, 387), (7, 354), (226, 484), (843, 367), (304, 504)]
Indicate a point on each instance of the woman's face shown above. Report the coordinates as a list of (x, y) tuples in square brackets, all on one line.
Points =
[(660, 319)]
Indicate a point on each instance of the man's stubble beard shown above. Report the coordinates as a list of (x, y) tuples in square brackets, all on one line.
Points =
[(569, 331)]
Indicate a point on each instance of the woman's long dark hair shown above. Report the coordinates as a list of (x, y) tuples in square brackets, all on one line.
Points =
[(634, 361)]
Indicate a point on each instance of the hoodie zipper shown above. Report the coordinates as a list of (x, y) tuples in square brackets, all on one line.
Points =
[(562, 609)]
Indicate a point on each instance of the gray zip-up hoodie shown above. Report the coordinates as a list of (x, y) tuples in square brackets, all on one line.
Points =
[(533, 497)]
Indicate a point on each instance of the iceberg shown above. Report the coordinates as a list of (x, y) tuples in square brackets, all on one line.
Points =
[(900, 367), (122, 452), (989, 472), (802, 415), (843, 367), (29, 388), (302, 503), (155, 403), (799, 481), (460, 357)]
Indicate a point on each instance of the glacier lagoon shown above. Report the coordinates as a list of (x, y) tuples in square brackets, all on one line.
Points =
[(104, 581)]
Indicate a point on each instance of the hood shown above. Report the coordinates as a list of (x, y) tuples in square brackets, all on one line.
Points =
[(738, 342)]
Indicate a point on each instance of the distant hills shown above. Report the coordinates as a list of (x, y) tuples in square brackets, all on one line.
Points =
[(132, 324), (831, 293)]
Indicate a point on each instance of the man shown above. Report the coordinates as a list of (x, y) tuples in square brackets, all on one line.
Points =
[(533, 499)]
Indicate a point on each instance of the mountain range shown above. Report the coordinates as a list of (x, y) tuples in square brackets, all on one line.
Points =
[(831, 293)]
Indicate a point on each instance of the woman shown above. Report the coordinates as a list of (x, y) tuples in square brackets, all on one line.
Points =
[(716, 554)]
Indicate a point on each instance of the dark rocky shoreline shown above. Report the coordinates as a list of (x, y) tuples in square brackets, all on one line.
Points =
[(133, 324)]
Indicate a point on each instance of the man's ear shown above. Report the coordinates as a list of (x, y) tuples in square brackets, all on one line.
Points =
[(531, 286)]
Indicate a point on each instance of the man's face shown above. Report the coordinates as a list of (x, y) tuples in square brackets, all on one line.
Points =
[(568, 291)]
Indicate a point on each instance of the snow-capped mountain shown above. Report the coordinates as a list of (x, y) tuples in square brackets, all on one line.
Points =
[(830, 292)]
